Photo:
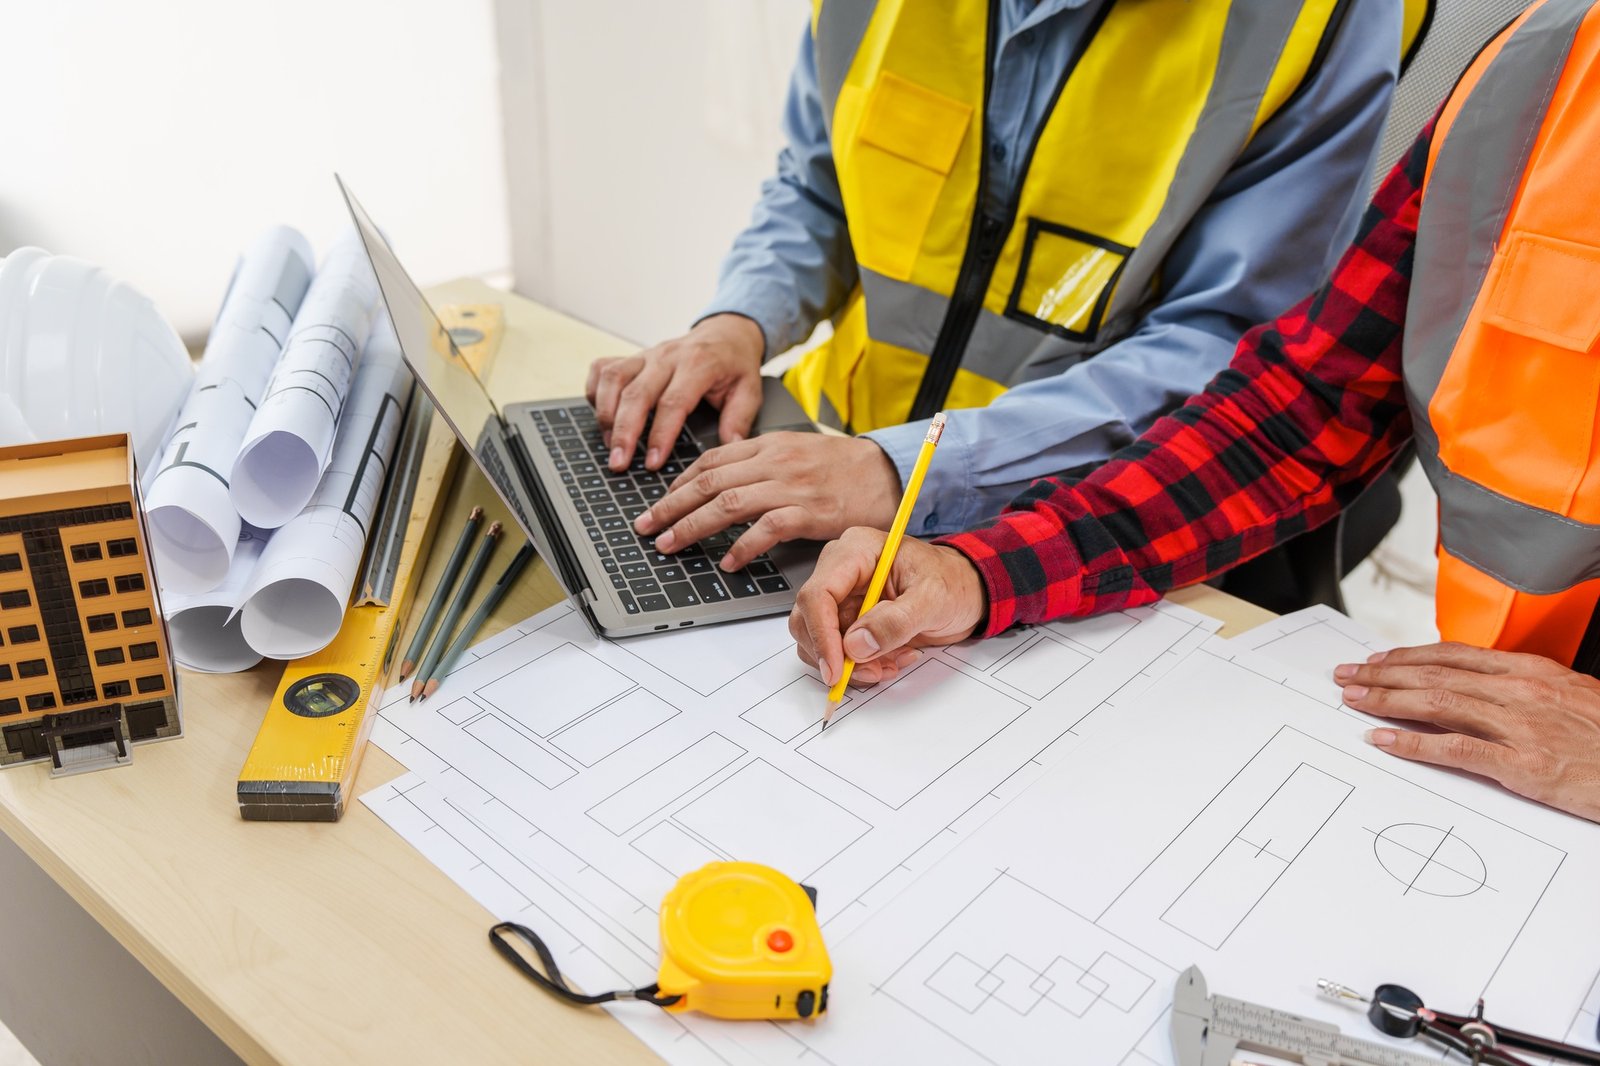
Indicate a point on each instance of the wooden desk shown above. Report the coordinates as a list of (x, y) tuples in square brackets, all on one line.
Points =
[(303, 943)]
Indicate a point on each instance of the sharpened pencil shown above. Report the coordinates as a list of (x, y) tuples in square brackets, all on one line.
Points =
[(447, 580), (469, 632), (880, 576), (458, 606)]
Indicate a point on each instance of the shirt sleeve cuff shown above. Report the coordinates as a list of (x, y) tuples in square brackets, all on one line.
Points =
[(770, 307), (945, 502), (1030, 570)]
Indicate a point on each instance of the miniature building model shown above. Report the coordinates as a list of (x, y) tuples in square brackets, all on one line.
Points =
[(84, 661)]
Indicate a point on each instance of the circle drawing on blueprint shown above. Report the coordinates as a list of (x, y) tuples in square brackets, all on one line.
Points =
[(1430, 860)]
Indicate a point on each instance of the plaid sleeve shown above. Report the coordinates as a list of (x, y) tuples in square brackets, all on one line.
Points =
[(1311, 409)]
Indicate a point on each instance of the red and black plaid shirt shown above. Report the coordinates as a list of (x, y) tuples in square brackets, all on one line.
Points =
[(1311, 409)]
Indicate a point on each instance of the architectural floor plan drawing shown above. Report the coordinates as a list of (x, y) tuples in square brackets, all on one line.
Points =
[(991, 883)]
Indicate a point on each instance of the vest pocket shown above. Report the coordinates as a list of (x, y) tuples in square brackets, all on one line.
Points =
[(905, 147), (1065, 279), (1515, 407), (1547, 289)]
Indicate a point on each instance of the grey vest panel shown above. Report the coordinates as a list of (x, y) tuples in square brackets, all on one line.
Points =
[(1464, 209), (840, 26), (1252, 43)]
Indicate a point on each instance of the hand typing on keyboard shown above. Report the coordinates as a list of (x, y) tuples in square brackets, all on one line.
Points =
[(609, 502), (718, 361), (787, 486)]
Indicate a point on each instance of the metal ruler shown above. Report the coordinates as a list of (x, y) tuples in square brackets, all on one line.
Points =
[(1210, 1030), (476, 330)]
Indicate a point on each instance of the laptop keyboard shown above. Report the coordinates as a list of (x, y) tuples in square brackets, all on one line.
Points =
[(644, 579)]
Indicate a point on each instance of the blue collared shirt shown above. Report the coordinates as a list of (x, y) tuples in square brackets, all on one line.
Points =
[(1268, 235)]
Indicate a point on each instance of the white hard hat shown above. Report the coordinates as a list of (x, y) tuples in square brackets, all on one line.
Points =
[(82, 353)]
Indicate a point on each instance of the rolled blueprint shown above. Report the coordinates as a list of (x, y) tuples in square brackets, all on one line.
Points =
[(301, 586), (290, 440), (194, 527), (204, 627)]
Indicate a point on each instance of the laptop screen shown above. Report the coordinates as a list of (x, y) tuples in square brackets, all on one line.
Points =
[(456, 392)]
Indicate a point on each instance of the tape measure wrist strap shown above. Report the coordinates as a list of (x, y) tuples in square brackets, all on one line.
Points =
[(552, 981)]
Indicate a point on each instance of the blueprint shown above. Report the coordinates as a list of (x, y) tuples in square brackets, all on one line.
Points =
[(290, 440), (194, 528), (300, 586), (1018, 844)]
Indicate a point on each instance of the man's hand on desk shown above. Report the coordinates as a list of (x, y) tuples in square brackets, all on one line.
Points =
[(1527, 722), (718, 361), (934, 596), (790, 485)]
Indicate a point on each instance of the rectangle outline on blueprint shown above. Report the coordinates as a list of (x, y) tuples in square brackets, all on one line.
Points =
[(745, 714), (643, 782), (570, 727), (498, 750), (1238, 837), (562, 724), (668, 823), (1034, 648), (718, 846), (866, 705)]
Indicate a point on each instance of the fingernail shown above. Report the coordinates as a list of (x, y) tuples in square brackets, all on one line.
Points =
[(1354, 693), (830, 676), (908, 659), (1377, 657), (617, 457), (861, 645), (653, 457), (728, 565), (644, 523), (1344, 673), (666, 542), (1381, 738), (735, 438)]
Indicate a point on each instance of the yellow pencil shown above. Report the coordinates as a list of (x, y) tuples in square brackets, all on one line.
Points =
[(880, 576)]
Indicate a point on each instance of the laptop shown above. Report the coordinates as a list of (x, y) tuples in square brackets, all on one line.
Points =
[(548, 463)]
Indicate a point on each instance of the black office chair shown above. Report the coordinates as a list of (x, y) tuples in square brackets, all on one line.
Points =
[(1308, 569)]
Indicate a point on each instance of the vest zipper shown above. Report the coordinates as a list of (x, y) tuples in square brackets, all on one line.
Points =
[(988, 233)]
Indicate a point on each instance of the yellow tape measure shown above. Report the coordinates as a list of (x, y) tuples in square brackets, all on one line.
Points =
[(738, 940), (303, 762)]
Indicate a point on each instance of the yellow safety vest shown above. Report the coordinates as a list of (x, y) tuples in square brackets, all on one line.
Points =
[(955, 305)]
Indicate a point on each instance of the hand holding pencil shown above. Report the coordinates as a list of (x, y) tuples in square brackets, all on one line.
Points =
[(930, 595)]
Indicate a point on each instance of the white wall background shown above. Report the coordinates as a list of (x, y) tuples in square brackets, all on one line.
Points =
[(638, 134), (157, 138)]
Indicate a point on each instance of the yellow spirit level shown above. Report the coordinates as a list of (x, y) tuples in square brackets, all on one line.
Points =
[(738, 940)]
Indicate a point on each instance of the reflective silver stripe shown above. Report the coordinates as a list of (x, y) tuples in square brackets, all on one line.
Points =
[(840, 26), (1464, 209), (1528, 548), (1252, 44), (1001, 349), (1475, 174)]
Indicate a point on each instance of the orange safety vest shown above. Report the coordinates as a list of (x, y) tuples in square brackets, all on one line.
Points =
[(1502, 368)]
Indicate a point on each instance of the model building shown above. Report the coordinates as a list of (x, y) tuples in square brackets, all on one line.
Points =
[(84, 663)]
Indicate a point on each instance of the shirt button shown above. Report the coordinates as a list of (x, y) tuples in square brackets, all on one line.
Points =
[(997, 152), (1025, 38)]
